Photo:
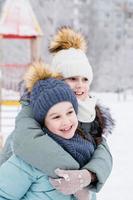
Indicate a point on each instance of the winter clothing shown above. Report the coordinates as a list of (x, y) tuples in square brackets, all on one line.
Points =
[(79, 148), (46, 93), (69, 56), (33, 146), (72, 62), (40, 151), (73, 182), (32, 183), (19, 180), (86, 110)]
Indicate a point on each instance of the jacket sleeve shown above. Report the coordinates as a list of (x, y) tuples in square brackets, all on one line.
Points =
[(16, 178), (38, 149), (100, 164)]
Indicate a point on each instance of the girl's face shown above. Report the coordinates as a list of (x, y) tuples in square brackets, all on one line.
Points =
[(80, 86), (61, 120)]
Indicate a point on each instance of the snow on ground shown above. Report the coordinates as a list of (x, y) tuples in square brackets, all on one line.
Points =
[(119, 184)]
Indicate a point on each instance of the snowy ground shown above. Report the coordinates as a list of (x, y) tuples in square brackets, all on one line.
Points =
[(119, 184)]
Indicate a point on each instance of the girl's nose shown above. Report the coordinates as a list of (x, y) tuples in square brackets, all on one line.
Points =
[(79, 84), (65, 121)]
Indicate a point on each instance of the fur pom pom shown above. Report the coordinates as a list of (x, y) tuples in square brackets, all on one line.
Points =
[(67, 38), (38, 71)]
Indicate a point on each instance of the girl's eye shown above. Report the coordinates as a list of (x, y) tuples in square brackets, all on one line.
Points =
[(56, 117), (72, 79), (85, 79), (70, 112)]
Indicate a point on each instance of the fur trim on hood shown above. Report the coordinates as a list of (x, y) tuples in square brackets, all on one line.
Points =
[(38, 71), (105, 120), (67, 38)]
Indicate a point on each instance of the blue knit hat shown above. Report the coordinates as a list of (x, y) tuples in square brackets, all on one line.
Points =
[(46, 93)]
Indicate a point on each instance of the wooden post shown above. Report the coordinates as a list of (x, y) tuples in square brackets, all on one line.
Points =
[(35, 49)]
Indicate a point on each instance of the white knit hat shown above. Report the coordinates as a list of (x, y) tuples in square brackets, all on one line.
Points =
[(72, 62), (69, 56)]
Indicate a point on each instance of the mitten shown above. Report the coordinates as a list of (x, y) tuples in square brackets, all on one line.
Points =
[(71, 181)]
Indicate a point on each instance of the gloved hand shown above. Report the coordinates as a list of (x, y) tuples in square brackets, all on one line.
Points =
[(83, 194), (71, 181)]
